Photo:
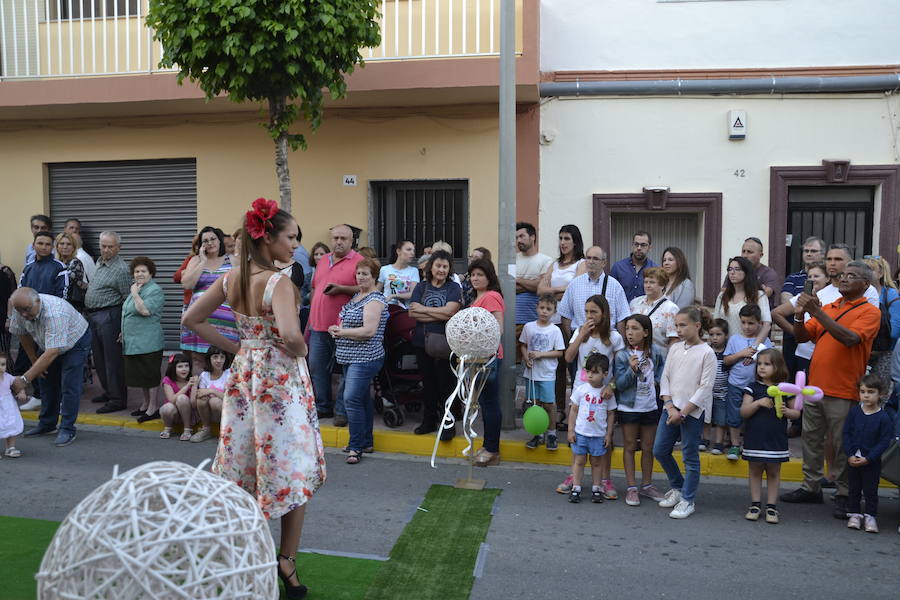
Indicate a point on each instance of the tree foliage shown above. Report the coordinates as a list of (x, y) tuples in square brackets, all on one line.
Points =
[(284, 53)]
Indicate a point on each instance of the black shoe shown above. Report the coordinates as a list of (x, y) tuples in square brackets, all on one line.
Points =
[(575, 496), (340, 421), (425, 428), (802, 495), (596, 496), (101, 399), (325, 414), (840, 507), (827, 484), (534, 442), (137, 413), (145, 417), (448, 434), (551, 443), (39, 430), (64, 438), (109, 408), (292, 592)]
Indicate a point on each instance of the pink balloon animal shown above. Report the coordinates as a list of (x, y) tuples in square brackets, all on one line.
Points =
[(803, 392)]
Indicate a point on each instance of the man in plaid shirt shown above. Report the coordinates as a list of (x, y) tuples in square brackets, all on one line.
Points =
[(51, 326)]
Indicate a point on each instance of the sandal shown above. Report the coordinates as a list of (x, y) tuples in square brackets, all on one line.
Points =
[(752, 513), (369, 450), (165, 433), (186, 435), (353, 457), (293, 592), (12, 452), (772, 515)]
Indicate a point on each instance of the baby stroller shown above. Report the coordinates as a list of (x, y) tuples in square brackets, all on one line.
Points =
[(399, 383)]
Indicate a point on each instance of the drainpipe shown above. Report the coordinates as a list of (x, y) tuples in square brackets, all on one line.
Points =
[(761, 85)]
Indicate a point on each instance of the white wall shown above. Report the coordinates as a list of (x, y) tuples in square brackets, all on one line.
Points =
[(620, 145), (647, 34)]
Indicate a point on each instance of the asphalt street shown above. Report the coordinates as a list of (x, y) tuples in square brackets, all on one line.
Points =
[(539, 545)]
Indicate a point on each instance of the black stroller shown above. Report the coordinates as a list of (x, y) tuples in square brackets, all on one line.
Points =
[(398, 386)]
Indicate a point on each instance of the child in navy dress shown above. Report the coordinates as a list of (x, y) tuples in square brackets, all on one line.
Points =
[(765, 433), (867, 433)]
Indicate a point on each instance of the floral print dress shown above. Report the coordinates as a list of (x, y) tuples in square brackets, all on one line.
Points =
[(270, 443)]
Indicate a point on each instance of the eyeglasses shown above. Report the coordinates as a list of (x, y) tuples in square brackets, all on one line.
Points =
[(210, 241), (811, 251), (593, 258), (872, 256), (850, 276), (640, 244)]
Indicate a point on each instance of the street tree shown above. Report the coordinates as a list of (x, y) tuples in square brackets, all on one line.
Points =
[(283, 54)]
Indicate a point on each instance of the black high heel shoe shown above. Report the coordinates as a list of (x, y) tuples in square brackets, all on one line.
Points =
[(293, 592)]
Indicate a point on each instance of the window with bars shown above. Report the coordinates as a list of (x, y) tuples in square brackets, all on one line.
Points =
[(422, 212)]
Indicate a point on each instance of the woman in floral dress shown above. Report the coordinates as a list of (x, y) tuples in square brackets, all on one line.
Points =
[(270, 443)]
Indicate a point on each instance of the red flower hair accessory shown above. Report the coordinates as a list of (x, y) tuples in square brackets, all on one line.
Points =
[(258, 219)]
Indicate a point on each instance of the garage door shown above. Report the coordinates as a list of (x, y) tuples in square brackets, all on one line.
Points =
[(151, 204)]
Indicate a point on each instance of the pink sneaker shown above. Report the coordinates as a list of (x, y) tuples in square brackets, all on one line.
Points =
[(609, 490), (650, 491), (565, 487), (631, 497), (853, 522), (871, 525)]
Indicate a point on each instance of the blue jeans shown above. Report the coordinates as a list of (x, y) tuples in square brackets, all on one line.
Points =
[(690, 430), (733, 400), (490, 408), (357, 401), (321, 364), (62, 386)]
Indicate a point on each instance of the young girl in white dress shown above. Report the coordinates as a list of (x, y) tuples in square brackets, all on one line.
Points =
[(11, 423)]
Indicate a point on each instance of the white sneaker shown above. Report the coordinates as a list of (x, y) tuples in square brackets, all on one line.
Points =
[(671, 498), (682, 510), (32, 404)]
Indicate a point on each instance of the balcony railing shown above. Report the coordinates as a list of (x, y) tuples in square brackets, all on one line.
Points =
[(72, 38)]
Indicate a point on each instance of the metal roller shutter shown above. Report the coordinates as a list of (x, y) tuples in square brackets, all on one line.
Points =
[(152, 205)]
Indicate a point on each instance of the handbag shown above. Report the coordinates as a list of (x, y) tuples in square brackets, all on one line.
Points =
[(890, 462), (436, 345)]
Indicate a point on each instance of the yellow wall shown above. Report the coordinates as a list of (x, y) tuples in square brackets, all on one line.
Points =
[(235, 164)]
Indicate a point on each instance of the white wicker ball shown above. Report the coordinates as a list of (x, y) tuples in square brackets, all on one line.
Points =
[(473, 333), (162, 530)]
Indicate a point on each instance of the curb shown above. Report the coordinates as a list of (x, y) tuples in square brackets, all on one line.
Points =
[(396, 442)]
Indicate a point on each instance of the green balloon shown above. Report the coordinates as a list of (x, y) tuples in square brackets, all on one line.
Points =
[(536, 420)]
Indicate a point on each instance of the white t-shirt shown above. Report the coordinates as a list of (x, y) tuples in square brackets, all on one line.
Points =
[(734, 308), (532, 267), (542, 339), (645, 392), (592, 345), (398, 281), (830, 293), (207, 383), (804, 350), (592, 410)]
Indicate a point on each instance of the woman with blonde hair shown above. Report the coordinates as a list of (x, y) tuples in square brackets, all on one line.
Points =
[(67, 246)]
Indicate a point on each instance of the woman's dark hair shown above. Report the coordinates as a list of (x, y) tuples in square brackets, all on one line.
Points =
[(485, 253), (218, 233), (173, 362), (312, 252), (145, 261), (437, 255), (251, 252), (683, 272), (781, 370), (751, 284), (212, 351), (577, 243), (603, 326), (647, 325), (698, 314), (487, 267), (395, 249)]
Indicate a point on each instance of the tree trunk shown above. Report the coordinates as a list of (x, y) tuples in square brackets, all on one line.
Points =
[(282, 170)]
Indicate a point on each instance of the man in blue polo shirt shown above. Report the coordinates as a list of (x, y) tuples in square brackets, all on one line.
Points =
[(630, 271)]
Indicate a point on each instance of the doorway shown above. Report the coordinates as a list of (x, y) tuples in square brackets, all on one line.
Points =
[(835, 214)]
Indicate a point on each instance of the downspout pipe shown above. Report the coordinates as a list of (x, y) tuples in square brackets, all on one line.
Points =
[(761, 85)]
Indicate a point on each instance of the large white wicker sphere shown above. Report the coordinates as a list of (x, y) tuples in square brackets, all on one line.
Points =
[(162, 530), (473, 333)]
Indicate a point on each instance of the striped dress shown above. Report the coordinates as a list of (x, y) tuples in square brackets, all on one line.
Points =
[(222, 318)]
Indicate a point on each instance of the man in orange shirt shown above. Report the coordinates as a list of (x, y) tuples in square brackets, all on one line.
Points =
[(843, 332)]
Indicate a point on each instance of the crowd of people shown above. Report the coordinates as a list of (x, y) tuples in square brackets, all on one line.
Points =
[(627, 347)]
